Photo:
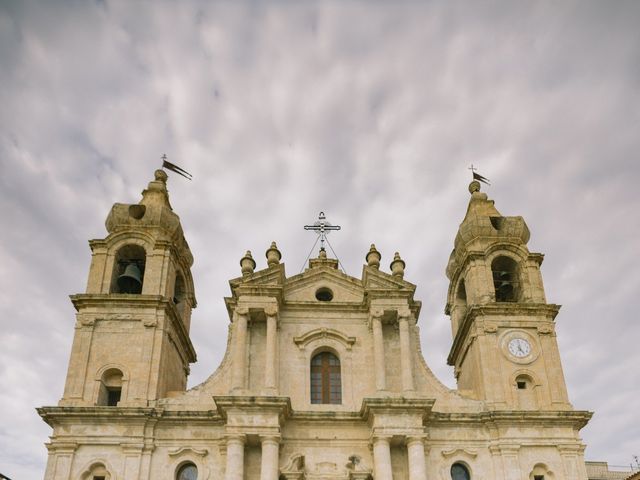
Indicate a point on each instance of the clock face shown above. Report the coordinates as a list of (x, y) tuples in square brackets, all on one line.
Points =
[(519, 347)]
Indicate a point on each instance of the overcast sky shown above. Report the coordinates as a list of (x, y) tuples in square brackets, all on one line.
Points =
[(370, 111)]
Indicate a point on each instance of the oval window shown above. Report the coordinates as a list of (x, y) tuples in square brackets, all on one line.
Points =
[(188, 471), (324, 294)]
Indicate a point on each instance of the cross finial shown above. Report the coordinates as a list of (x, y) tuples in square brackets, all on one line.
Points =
[(322, 228), (164, 157), (472, 168)]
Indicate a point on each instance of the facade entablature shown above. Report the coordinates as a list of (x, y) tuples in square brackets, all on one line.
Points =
[(389, 310)]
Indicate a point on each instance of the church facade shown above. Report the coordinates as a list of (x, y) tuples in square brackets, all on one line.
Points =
[(323, 376)]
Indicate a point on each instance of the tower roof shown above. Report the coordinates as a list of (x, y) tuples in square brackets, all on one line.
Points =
[(483, 226)]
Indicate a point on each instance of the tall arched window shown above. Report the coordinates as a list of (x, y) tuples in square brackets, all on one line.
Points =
[(187, 471), (505, 279), (326, 385), (460, 472)]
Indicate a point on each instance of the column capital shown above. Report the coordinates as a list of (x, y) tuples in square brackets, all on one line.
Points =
[(404, 314), (271, 310), (241, 311), (236, 438), (416, 438), (270, 438)]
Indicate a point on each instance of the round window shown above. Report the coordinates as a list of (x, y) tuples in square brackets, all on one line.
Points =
[(188, 471), (324, 294)]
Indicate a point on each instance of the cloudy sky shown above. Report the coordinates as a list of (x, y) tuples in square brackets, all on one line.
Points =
[(370, 111)]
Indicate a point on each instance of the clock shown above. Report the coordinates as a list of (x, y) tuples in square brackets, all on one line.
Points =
[(519, 347)]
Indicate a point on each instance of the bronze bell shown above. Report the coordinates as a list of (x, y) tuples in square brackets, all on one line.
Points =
[(131, 280)]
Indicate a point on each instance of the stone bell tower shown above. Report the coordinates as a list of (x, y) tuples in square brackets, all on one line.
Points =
[(504, 349), (131, 344)]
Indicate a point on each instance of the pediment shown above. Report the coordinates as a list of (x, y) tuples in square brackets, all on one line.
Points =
[(374, 279), (258, 282), (303, 287)]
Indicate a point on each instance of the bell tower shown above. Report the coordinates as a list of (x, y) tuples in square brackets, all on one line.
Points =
[(504, 344), (131, 344)]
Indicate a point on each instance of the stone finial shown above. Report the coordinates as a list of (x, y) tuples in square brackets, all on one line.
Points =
[(273, 255), (373, 257), (322, 253), (247, 263), (474, 187), (160, 176), (397, 266)]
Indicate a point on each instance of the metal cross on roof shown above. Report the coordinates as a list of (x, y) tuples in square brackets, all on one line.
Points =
[(322, 228)]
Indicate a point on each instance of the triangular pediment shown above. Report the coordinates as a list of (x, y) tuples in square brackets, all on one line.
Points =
[(305, 287), (374, 279)]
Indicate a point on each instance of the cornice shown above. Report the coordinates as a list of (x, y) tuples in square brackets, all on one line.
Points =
[(574, 418)]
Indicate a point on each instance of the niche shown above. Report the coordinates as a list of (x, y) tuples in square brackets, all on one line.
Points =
[(110, 388)]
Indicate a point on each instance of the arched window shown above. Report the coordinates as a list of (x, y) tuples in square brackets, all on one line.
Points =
[(326, 385), (525, 394), (97, 471), (110, 388), (187, 471), (179, 291), (460, 472), (128, 270), (505, 279)]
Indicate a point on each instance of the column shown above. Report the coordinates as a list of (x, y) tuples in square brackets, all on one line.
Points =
[(378, 350), (235, 458), (269, 465), (405, 351), (382, 458), (240, 349), (270, 367), (415, 452)]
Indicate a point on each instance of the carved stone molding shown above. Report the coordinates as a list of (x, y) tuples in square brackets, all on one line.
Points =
[(459, 451), (179, 451), (303, 340)]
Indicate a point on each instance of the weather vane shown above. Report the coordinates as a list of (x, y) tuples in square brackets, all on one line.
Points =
[(477, 176), (322, 228), (175, 168)]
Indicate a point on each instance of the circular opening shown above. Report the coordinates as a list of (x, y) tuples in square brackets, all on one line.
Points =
[(137, 211), (324, 294)]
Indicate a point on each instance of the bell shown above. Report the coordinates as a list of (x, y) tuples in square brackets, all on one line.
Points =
[(130, 281), (504, 292)]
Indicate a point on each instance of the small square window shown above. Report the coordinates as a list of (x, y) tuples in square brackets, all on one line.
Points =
[(98, 478), (538, 477), (523, 386)]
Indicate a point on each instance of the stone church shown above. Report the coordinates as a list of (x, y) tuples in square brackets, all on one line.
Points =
[(323, 377)]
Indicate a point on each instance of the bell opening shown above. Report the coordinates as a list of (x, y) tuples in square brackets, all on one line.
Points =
[(128, 274)]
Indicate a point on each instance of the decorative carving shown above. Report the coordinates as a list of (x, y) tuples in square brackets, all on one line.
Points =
[(459, 451), (303, 340), (88, 321), (490, 327), (545, 330), (150, 322), (294, 469), (179, 451), (242, 310), (271, 310)]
